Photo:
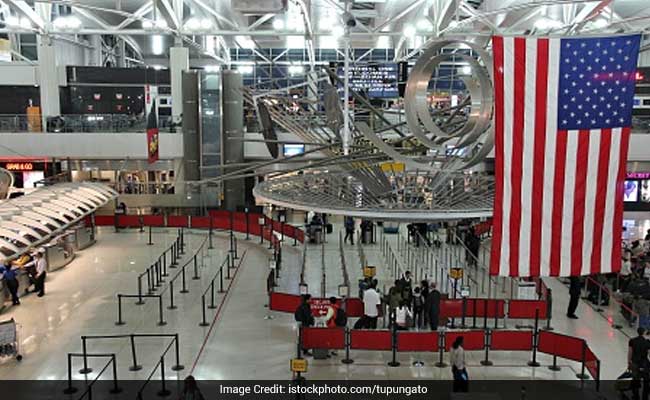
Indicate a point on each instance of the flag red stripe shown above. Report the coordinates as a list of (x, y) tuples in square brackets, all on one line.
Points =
[(601, 199), (495, 256), (517, 152), (541, 78), (618, 205), (579, 194), (558, 202)]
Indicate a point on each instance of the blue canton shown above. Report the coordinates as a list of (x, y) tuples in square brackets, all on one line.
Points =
[(597, 79)]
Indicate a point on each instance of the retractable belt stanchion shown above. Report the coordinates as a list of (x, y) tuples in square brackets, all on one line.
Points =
[(150, 242), (210, 234), (393, 362), (488, 343), (183, 282), (119, 311), (135, 366), (163, 392), (549, 310), (247, 223), (182, 236), (140, 299), (347, 359), (533, 362), (441, 347), (171, 296), (178, 366), (85, 370), (582, 375), (196, 269)]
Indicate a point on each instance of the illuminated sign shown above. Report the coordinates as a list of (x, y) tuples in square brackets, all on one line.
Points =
[(19, 166), (638, 175), (639, 76)]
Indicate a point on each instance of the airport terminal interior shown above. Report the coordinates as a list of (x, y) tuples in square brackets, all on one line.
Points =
[(443, 193)]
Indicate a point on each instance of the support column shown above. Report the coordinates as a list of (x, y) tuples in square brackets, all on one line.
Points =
[(48, 80), (346, 94), (179, 61)]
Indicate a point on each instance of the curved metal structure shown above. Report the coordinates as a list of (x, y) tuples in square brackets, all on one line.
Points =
[(34, 219)]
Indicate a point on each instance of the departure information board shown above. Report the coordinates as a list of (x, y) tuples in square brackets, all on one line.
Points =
[(375, 80)]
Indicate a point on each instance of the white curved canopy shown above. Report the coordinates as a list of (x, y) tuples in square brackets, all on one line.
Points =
[(34, 219)]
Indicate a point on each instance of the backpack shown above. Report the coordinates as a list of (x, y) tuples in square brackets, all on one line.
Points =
[(341, 318)]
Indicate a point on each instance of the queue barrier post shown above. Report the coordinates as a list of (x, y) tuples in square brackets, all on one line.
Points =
[(163, 392), (84, 349), (70, 389), (150, 287), (141, 223), (135, 366), (247, 224), (150, 242), (174, 256), (183, 281), (347, 359), (221, 278), (119, 311), (196, 269), (582, 375), (171, 296), (161, 321), (182, 236), (204, 321), (549, 310), (533, 362), (163, 272), (463, 313), (554, 367), (488, 343), (178, 366), (163, 267), (212, 306), (116, 389), (393, 362), (228, 267), (441, 347), (140, 299)]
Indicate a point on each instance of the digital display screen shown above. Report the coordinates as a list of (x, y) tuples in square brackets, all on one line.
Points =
[(645, 191), (375, 80), (293, 149), (631, 194)]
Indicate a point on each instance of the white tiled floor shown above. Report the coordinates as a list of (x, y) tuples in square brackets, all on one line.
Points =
[(242, 344)]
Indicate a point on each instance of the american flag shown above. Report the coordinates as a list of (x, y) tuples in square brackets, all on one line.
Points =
[(563, 110)]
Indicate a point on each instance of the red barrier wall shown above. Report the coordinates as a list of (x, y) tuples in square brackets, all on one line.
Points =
[(370, 340), (200, 222), (417, 341), (511, 340), (153, 220), (525, 309), (354, 307), (177, 221), (451, 308), (105, 220), (284, 302), (323, 338), (472, 340), (128, 221), (495, 308), (561, 345)]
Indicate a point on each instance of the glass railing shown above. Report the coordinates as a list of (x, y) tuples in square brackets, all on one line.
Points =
[(144, 187), (117, 123)]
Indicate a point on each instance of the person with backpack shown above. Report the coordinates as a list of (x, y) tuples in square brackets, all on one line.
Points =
[(304, 316), (418, 308), (349, 230)]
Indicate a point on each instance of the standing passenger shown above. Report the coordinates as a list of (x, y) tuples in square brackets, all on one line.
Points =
[(371, 303), (457, 361), (8, 274), (432, 306), (349, 230)]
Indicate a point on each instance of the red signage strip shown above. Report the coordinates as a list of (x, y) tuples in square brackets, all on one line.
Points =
[(525, 309), (511, 340), (284, 302), (472, 340), (418, 341)]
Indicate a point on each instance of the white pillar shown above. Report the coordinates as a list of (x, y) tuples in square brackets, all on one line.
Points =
[(179, 61), (346, 95), (48, 79)]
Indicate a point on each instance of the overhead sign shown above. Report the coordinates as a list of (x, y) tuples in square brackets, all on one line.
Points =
[(375, 80), (20, 166)]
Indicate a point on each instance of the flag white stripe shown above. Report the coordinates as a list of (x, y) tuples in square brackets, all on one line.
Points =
[(569, 196), (590, 200), (549, 154), (528, 157), (610, 203), (508, 100)]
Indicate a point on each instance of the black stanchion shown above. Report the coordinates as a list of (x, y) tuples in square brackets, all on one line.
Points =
[(485, 314), (171, 296), (85, 370), (347, 359), (140, 299), (161, 321), (488, 343), (183, 282), (150, 242), (228, 267), (554, 367), (135, 366), (196, 269), (115, 389), (464, 313), (178, 366), (247, 224), (582, 375), (163, 267), (70, 389), (212, 306), (163, 392), (441, 351), (210, 235), (182, 236), (496, 314), (204, 321), (393, 362), (141, 222), (221, 278), (119, 311), (549, 310), (150, 287), (533, 362)]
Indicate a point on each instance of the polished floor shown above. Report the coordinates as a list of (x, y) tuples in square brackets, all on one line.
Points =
[(243, 340)]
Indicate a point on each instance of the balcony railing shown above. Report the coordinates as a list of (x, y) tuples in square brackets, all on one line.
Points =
[(84, 123)]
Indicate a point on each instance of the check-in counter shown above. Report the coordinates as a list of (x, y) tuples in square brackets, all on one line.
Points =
[(81, 236), (59, 252)]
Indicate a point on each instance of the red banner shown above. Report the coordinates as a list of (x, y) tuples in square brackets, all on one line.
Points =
[(152, 145)]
